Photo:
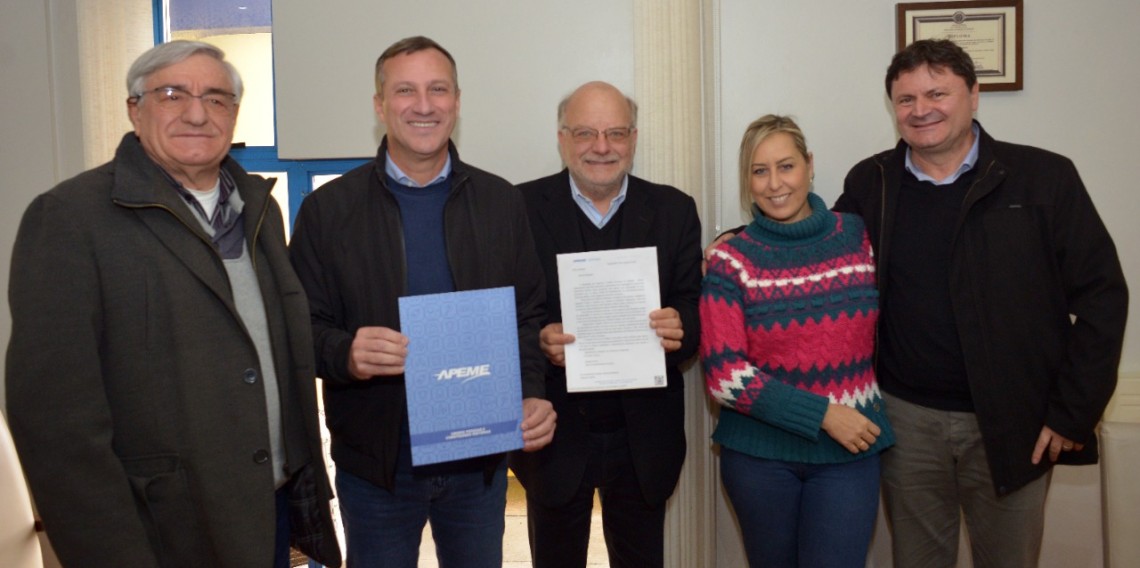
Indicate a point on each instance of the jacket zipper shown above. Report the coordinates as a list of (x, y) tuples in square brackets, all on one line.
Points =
[(989, 167), (460, 180), (257, 233)]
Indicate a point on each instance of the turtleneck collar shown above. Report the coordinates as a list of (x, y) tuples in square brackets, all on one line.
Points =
[(819, 224)]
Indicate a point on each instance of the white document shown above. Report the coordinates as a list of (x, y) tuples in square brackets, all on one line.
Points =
[(606, 300)]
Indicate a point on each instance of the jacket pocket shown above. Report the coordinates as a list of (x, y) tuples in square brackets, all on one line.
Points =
[(166, 507), (310, 526)]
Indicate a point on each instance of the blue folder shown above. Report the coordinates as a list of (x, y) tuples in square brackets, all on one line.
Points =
[(462, 373)]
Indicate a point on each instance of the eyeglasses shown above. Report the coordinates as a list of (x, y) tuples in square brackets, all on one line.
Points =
[(218, 103), (585, 135)]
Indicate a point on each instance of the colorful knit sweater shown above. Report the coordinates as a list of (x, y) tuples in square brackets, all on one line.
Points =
[(788, 317)]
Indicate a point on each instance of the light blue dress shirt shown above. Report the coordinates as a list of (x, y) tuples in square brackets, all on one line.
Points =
[(587, 206), (402, 178), (967, 164)]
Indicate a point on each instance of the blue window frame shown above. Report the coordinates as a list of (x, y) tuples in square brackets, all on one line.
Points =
[(301, 172)]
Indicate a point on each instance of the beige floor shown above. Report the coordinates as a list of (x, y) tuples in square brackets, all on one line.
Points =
[(516, 551)]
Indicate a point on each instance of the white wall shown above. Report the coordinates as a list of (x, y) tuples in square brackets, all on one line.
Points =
[(41, 130), (516, 60)]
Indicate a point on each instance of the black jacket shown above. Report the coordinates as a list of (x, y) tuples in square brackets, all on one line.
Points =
[(1029, 253), (652, 215), (348, 250)]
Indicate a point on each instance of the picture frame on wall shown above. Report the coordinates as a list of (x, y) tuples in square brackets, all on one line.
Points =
[(989, 30)]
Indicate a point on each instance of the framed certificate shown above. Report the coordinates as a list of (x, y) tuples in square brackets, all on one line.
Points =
[(989, 30)]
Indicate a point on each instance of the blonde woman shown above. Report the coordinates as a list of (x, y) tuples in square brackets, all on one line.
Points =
[(788, 311)]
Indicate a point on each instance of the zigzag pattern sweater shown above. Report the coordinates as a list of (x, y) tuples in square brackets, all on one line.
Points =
[(788, 317)]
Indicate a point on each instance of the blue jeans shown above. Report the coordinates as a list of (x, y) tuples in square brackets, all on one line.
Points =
[(383, 528), (798, 514)]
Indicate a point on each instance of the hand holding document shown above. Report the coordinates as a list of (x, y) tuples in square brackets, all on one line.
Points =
[(606, 300)]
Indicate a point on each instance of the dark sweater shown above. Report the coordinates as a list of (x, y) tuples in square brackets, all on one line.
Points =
[(421, 210), (920, 355), (602, 410)]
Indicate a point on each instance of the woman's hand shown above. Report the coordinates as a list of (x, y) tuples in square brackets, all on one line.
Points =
[(850, 428)]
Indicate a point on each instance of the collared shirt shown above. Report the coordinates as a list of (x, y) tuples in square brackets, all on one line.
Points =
[(967, 164), (587, 205), (402, 178)]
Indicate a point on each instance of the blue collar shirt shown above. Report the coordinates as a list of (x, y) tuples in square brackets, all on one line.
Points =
[(967, 164), (587, 205), (402, 178)]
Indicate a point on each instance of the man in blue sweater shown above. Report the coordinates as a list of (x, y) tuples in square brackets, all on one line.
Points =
[(416, 220)]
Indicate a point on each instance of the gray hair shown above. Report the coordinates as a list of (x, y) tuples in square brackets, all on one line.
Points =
[(166, 54), (565, 102)]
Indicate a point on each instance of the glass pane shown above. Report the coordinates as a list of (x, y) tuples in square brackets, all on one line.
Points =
[(244, 31), (320, 179)]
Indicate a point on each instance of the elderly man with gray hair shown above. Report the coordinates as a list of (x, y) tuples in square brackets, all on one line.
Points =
[(160, 377), (628, 446)]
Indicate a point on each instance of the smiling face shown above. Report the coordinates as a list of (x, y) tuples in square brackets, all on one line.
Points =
[(934, 111), (781, 179), (599, 165), (419, 105), (189, 142)]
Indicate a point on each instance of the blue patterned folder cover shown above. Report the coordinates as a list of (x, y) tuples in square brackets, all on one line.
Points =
[(462, 374)]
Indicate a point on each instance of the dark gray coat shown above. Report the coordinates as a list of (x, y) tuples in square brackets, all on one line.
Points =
[(128, 375)]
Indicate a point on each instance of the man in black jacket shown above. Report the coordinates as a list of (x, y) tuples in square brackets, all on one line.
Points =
[(627, 444), (416, 220), (1003, 314)]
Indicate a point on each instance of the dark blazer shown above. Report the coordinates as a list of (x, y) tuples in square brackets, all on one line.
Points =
[(652, 215)]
